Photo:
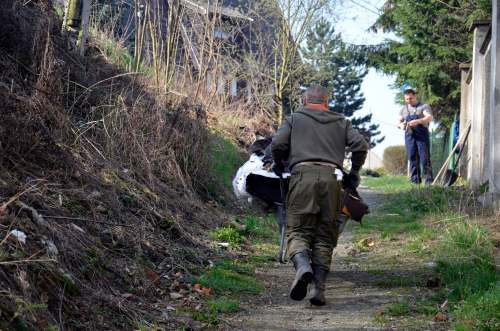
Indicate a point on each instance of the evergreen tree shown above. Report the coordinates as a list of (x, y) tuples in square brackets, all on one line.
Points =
[(332, 64), (433, 38)]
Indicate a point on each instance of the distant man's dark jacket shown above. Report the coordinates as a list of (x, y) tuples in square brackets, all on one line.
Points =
[(316, 135)]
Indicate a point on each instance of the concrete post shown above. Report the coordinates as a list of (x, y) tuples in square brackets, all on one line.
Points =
[(464, 114), (494, 120), (485, 145), (475, 169), (85, 25)]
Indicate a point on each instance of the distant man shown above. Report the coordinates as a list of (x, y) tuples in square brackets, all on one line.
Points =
[(414, 118), (314, 141)]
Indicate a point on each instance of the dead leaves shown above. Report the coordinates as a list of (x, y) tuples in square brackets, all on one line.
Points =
[(205, 291), (365, 245), (440, 317), (179, 291), (152, 276), (187, 291)]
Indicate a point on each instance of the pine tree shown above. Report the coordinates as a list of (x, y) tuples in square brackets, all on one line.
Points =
[(332, 64)]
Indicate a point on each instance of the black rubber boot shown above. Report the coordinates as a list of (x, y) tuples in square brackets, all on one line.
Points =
[(318, 290), (303, 276)]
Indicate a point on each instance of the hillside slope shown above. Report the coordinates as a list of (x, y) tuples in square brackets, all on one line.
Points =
[(106, 180)]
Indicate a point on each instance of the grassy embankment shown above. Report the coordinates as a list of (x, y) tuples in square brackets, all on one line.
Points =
[(422, 228), (252, 242), (251, 239)]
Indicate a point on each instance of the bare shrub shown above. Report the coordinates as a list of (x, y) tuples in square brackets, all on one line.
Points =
[(395, 160)]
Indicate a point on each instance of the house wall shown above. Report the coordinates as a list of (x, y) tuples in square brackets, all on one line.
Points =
[(373, 161)]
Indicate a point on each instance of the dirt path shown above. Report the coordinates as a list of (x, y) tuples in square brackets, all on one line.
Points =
[(352, 296)]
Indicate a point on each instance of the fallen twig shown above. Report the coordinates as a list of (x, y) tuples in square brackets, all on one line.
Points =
[(450, 219), (86, 220), (4, 205), (27, 261)]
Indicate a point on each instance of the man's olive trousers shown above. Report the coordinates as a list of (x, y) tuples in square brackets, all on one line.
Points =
[(313, 205)]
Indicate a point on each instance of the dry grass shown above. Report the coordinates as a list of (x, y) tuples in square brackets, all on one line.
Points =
[(111, 170)]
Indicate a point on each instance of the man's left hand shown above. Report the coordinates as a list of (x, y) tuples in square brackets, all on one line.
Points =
[(414, 122)]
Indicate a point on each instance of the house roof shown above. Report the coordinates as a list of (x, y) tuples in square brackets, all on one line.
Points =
[(204, 7)]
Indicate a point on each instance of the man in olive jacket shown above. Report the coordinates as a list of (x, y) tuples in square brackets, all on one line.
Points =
[(314, 141)]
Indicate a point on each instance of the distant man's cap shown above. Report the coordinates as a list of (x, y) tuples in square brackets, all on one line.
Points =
[(406, 87)]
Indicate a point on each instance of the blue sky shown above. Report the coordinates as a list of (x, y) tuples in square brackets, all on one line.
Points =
[(352, 21)]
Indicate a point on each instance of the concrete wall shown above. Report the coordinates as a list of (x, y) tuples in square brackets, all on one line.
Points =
[(480, 104)]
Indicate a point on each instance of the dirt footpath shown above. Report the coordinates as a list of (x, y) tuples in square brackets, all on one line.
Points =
[(352, 297)]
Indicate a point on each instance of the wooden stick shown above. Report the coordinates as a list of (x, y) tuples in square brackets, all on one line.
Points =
[(459, 142)]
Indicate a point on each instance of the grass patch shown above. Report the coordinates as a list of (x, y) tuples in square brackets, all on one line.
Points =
[(230, 278), (262, 259), (399, 309), (480, 312), (465, 260), (421, 201), (399, 281), (387, 184), (380, 319), (389, 225), (419, 243), (259, 230), (223, 305), (426, 307), (402, 213), (116, 53), (225, 160), (210, 315), (206, 316), (230, 235), (257, 227)]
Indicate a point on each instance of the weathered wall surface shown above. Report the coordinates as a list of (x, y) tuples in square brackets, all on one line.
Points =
[(480, 105)]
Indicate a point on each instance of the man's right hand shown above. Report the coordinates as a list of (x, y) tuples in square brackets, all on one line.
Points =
[(351, 180), (278, 169)]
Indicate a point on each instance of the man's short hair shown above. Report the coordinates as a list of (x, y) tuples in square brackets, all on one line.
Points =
[(410, 92), (316, 94)]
